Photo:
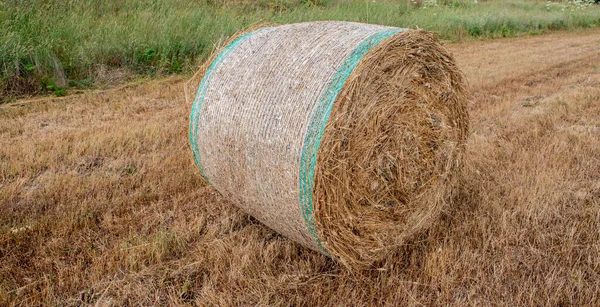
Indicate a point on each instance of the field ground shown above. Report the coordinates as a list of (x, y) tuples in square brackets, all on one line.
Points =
[(100, 201)]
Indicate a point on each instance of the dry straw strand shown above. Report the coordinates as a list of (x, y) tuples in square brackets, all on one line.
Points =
[(194, 81)]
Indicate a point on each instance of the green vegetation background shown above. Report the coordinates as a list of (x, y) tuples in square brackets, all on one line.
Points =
[(48, 46)]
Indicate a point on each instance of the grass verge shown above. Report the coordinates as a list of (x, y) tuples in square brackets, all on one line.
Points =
[(48, 46)]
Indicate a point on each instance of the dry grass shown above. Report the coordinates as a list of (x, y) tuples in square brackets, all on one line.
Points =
[(100, 201)]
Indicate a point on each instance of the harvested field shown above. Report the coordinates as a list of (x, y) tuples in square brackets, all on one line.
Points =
[(100, 201)]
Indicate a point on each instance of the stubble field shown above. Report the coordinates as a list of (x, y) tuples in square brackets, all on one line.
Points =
[(101, 203)]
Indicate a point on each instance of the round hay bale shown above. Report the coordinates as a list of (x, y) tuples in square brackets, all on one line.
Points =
[(344, 137)]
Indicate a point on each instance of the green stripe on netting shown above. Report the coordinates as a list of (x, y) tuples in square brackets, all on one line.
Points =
[(317, 124), (197, 106)]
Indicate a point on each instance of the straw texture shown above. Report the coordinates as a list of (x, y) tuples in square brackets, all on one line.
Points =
[(341, 136)]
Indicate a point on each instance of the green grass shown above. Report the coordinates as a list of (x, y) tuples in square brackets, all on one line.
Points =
[(47, 46)]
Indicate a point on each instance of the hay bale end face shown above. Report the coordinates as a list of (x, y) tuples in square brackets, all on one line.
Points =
[(344, 137)]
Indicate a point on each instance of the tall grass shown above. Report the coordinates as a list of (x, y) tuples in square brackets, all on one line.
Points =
[(49, 45)]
